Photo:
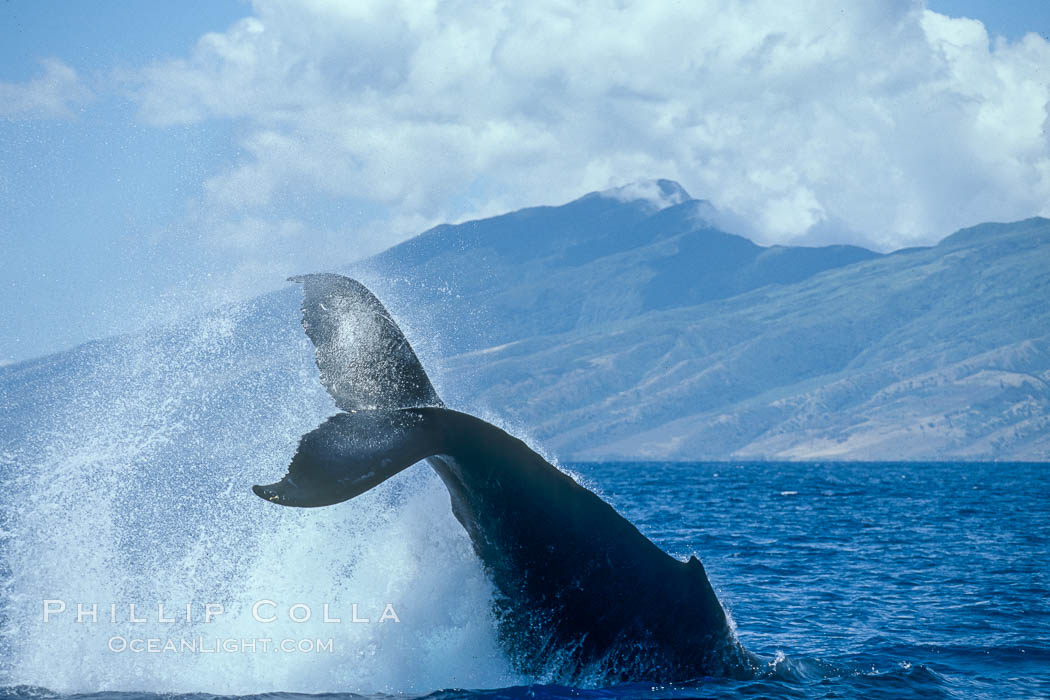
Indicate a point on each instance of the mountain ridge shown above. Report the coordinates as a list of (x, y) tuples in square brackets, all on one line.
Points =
[(850, 338), (626, 325), (600, 257)]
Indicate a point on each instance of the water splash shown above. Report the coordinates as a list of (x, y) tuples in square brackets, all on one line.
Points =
[(127, 483)]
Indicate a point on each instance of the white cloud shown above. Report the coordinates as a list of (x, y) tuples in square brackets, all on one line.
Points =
[(648, 191), (51, 95), (897, 123)]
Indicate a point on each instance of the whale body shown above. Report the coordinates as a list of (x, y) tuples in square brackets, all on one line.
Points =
[(579, 593)]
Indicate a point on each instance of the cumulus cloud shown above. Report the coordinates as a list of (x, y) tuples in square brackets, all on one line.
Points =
[(887, 120), (51, 95)]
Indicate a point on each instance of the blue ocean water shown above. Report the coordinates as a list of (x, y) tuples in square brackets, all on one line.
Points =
[(872, 579), (875, 580)]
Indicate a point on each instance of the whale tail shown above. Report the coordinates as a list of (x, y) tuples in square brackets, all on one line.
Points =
[(371, 371), (578, 590), (351, 453), (364, 359)]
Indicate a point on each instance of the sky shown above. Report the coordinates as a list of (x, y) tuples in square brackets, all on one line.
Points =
[(157, 159)]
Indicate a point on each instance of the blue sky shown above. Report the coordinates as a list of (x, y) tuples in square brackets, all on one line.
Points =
[(84, 194), (146, 171), (1011, 19)]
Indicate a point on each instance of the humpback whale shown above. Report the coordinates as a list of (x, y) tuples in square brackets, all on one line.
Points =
[(579, 594)]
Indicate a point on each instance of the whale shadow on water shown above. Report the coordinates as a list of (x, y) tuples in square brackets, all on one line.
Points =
[(580, 594)]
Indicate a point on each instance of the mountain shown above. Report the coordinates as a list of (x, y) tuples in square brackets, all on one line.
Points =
[(608, 256), (624, 324), (938, 353)]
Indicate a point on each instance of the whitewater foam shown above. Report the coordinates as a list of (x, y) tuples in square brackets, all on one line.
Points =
[(135, 490)]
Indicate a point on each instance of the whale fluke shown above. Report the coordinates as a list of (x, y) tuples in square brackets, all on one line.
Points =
[(349, 454), (364, 359)]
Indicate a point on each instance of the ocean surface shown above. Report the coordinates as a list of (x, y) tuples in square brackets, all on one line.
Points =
[(875, 580)]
